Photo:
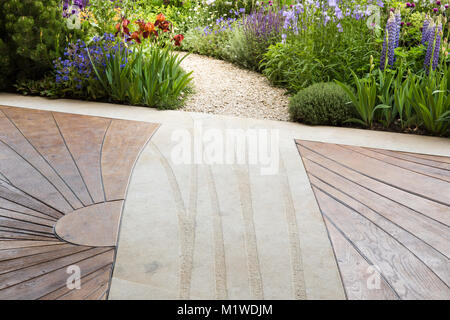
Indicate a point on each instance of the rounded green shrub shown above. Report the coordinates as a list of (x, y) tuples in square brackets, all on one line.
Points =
[(324, 103)]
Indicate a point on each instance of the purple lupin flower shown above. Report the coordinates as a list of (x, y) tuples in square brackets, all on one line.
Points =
[(398, 21), (437, 46), (426, 23), (388, 54), (434, 45), (429, 32)]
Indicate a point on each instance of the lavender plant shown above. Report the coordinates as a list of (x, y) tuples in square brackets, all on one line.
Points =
[(260, 29)]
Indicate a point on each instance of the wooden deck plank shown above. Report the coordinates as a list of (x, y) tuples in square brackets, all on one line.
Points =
[(44, 284), (54, 167), (430, 231), (380, 208), (26, 218), (434, 172), (62, 292), (411, 157), (15, 195), (360, 279), (406, 274), (26, 178), (10, 254), (5, 235), (8, 208), (40, 129), (90, 289), (24, 225), (435, 260), (17, 142), (17, 244), (123, 143), (84, 138), (427, 187), (421, 205), (443, 161), (11, 279), (39, 258)]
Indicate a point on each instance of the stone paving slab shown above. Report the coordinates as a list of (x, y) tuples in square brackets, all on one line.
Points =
[(213, 230)]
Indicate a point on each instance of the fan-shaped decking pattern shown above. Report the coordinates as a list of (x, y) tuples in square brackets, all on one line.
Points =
[(53, 164), (387, 215)]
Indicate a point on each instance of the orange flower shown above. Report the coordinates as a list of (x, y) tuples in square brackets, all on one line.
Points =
[(122, 27), (159, 18), (136, 37), (141, 25), (149, 30), (162, 23)]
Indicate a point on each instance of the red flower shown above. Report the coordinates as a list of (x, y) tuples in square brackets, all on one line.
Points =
[(135, 36), (160, 18), (178, 38), (162, 23), (149, 29), (122, 27)]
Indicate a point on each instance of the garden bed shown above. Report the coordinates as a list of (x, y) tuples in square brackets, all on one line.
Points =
[(375, 64)]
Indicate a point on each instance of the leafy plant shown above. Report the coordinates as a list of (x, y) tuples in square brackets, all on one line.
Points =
[(365, 99), (402, 100), (153, 79), (431, 100)]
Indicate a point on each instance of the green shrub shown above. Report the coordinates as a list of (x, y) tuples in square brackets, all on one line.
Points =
[(321, 104), (32, 34)]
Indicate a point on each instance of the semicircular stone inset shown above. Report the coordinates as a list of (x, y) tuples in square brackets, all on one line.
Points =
[(68, 173), (96, 225)]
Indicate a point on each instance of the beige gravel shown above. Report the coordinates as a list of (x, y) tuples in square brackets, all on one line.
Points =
[(223, 88)]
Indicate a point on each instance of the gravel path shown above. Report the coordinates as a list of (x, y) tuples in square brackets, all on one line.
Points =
[(223, 88)]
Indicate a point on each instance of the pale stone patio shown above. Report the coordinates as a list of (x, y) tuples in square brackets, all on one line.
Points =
[(218, 231)]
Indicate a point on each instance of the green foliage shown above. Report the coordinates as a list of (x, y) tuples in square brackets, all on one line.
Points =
[(320, 54), (153, 78), (321, 104), (32, 34), (241, 51), (402, 101), (214, 45), (45, 87), (430, 98), (365, 99), (291, 65), (411, 33)]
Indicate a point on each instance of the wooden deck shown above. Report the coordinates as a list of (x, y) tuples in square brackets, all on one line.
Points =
[(55, 165), (387, 215)]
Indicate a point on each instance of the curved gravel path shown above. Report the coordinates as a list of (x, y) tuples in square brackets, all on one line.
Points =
[(223, 88)]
